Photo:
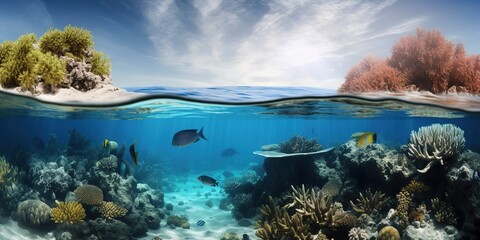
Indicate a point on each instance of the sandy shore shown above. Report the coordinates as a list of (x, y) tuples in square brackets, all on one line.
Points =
[(107, 94)]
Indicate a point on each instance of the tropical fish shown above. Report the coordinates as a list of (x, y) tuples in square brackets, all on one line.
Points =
[(200, 223), (133, 154), (105, 143), (245, 237), (228, 152), (187, 137), (364, 138), (208, 180)]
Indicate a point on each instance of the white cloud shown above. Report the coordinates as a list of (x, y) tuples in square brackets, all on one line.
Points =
[(284, 42)]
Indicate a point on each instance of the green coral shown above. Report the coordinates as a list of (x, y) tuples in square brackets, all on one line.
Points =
[(77, 40), (51, 69), (5, 50), (101, 65), (53, 41)]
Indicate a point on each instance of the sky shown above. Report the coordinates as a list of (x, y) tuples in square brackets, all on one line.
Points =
[(206, 43)]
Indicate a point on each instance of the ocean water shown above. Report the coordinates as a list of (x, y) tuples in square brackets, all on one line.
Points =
[(56, 148)]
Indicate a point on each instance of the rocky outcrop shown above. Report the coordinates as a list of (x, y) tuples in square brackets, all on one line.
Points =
[(81, 77)]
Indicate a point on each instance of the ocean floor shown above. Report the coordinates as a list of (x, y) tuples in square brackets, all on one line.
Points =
[(189, 199)]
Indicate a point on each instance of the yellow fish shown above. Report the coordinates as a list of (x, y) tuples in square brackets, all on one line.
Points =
[(105, 143), (364, 138)]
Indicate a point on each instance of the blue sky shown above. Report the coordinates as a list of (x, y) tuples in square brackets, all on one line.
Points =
[(202, 43)]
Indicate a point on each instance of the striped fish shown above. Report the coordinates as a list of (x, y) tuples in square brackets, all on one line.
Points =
[(200, 223)]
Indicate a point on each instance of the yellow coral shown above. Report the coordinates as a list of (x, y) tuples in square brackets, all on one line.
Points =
[(69, 212), (7, 173), (444, 213), (416, 187), (388, 233), (89, 194), (111, 210), (370, 202), (404, 199)]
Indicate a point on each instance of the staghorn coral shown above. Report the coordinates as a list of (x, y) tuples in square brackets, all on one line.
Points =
[(89, 194), (300, 144), (7, 173), (110, 210), (388, 233), (33, 212), (276, 223), (443, 212), (370, 202), (357, 233), (436, 143), (69, 212)]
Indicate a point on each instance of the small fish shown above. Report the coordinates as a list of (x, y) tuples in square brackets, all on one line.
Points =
[(134, 154), (186, 137), (245, 237), (208, 180), (200, 223), (476, 175), (105, 143), (228, 152), (364, 138)]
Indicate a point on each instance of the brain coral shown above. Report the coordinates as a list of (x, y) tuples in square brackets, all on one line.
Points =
[(33, 212), (388, 233), (69, 212), (89, 194)]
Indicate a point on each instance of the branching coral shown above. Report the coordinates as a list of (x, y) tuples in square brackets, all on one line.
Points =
[(299, 144), (110, 210), (69, 212), (7, 173), (370, 202), (416, 186), (435, 143), (443, 212), (404, 200), (89, 194)]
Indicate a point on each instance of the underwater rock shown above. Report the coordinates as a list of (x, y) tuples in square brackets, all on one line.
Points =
[(34, 213), (110, 229), (169, 206), (116, 188), (178, 221), (376, 166), (50, 179), (466, 190), (137, 224), (153, 220), (429, 231)]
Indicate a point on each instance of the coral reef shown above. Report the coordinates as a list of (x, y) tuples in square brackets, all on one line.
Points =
[(370, 202), (108, 164), (34, 213), (50, 179), (357, 234), (68, 212), (443, 212), (388, 233), (300, 144), (89, 194), (436, 143), (110, 210), (7, 173)]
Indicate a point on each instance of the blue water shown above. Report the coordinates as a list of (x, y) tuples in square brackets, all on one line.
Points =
[(151, 123)]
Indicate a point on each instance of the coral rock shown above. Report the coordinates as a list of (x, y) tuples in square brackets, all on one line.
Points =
[(34, 213)]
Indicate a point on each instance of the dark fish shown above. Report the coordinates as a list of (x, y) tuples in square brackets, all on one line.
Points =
[(187, 137), (364, 138), (134, 154), (208, 180), (245, 237), (228, 152), (200, 223), (38, 143)]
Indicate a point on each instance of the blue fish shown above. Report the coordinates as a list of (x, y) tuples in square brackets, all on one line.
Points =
[(200, 223)]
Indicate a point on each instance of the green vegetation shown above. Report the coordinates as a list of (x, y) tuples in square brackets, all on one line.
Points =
[(100, 65), (26, 62)]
